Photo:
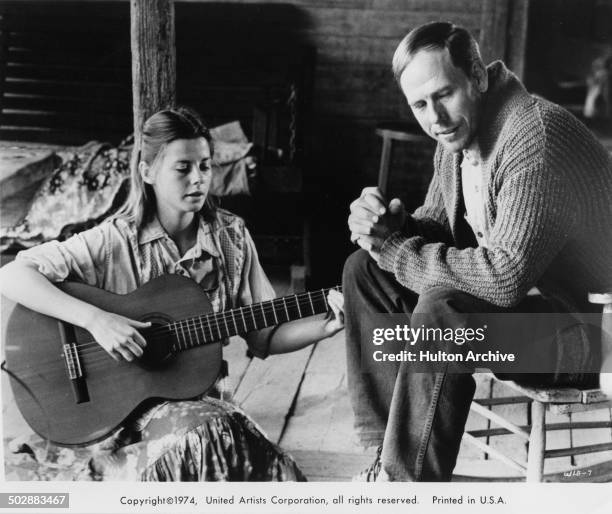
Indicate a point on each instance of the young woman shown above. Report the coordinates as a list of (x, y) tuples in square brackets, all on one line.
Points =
[(168, 225)]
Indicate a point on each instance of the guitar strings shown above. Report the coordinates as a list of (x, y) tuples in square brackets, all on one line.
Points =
[(218, 320), (99, 355), (186, 337), (196, 325)]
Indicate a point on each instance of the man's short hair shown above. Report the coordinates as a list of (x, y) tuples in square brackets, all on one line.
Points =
[(437, 35)]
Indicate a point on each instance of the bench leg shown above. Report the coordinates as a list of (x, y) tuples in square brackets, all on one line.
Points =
[(537, 442)]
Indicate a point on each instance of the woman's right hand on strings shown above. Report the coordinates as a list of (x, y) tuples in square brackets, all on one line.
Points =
[(118, 335)]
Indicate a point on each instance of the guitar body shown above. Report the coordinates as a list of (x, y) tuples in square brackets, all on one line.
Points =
[(78, 412)]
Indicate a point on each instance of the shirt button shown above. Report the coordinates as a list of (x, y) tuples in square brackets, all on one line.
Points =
[(479, 234)]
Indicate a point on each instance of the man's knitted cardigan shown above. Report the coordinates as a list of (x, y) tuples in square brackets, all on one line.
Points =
[(548, 200)]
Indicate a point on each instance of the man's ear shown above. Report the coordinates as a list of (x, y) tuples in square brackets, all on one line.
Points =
[(479, 74), (145, 172)]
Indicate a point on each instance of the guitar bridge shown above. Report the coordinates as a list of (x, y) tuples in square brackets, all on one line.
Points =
[(71, 358), (73, 364)]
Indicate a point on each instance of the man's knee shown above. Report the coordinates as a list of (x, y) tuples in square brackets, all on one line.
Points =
[(440, 299)]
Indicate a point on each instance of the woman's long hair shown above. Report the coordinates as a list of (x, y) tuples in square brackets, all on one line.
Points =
[(158, 132)]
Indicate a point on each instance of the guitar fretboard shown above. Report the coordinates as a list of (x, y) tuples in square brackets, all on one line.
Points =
[(208, 328)]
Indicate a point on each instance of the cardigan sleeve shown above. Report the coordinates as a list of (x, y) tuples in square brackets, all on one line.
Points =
[(534, 218)]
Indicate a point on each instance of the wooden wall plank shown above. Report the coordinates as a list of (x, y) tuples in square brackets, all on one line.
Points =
[(4, 51), (47, 40), (380, 23), (64, 103), (114, 92), (517, 37), (359, 104), (64, 119), (67, 73), (65, 136), (356, 50), (494, 27), (366, 77), (346, 4), (463, 6)]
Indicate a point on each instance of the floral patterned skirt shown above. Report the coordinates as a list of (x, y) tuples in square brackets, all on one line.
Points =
[(199, 440)]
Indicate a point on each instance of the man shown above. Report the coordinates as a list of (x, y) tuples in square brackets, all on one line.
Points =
[(520, 199)]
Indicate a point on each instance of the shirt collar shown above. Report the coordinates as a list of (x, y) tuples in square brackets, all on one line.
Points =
[(204, 238), (472, 153), (151, 231)]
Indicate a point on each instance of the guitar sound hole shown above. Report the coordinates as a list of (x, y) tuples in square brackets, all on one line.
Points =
[(158, 352)]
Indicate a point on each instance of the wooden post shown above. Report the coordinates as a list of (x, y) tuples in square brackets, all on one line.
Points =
[(517, 37), (493, 29), (153, 59), (503, 32)]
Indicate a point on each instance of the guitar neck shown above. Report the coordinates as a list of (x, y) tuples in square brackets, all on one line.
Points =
[(213, 327)]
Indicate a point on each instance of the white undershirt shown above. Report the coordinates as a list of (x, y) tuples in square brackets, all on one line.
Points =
[(473, 194)]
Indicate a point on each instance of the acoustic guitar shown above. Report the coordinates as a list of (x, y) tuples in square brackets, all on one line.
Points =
[(71, 392)]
